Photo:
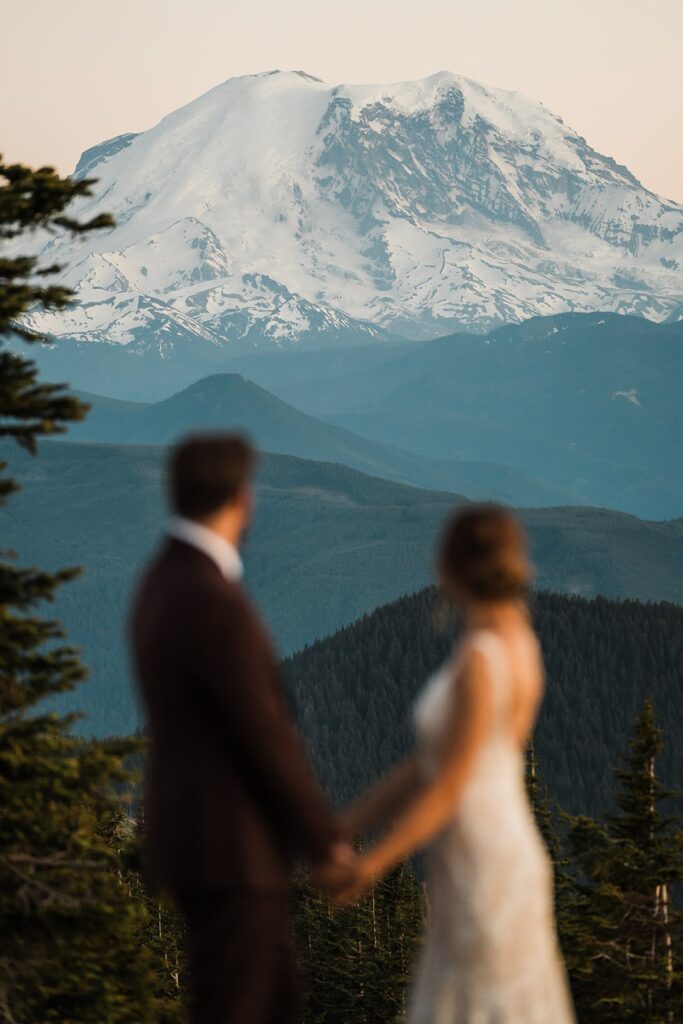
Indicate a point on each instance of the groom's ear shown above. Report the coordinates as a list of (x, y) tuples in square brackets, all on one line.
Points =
[(246, 501), (251, 500)]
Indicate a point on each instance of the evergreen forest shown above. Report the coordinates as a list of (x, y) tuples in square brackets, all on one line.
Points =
[(353, 692)]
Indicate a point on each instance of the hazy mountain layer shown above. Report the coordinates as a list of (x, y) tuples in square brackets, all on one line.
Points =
[(229, 402), (587, 403), (329, 544)]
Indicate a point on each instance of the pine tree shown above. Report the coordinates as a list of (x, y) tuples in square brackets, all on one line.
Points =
[(30, 201), (327, 947), (546, 817), (624, 934), (69, 949), (162, 931), (400, 915), (540, 804), (358, 961)]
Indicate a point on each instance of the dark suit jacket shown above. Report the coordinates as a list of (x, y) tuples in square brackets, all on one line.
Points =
[(230, 799)]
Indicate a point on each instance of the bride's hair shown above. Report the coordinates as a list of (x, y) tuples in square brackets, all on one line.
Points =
[(483, 554)]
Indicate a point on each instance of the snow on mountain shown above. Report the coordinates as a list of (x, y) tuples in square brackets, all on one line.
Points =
[(278, 209)]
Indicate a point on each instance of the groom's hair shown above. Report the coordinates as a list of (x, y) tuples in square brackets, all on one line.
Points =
[(208, 471)]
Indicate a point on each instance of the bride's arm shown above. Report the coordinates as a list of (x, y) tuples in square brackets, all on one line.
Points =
[(434, 803), (385, 800)]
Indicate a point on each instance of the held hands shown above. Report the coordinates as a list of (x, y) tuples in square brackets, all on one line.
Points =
[(338, 871), (343, 876), (357, 887)]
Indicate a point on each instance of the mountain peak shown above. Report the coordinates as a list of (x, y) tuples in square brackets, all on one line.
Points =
[(217, 380), (275, 71), (276, 210), (216, 385), (309, 78)]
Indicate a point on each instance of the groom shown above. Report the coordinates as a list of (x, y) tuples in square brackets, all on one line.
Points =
[(230, 798)]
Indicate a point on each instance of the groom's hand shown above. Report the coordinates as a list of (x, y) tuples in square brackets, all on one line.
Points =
[(338, 872)]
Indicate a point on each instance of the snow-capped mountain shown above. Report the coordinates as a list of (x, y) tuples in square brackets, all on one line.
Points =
[(277, 209)]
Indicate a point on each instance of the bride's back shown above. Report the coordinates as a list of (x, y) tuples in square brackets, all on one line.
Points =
[(506, 674), (520, 675)]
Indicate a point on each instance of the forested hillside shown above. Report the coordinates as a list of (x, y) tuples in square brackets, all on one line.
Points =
[(353, 691)]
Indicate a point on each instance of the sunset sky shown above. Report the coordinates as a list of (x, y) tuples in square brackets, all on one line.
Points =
[(82, 71)]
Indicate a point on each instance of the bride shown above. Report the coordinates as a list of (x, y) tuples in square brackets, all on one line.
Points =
[(491, 954)]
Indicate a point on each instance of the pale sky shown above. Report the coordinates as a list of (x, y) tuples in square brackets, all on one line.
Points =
[(81, 71)]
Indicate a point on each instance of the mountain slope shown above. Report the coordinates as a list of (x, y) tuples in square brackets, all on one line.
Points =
[(279, 210), (229, 402), (329, 544)]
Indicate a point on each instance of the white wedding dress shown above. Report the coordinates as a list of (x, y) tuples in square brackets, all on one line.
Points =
[(491, 954)]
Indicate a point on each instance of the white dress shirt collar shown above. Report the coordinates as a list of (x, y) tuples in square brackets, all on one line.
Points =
[(218, 549)]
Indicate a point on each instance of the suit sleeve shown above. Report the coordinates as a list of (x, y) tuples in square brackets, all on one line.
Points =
[(239, 677)]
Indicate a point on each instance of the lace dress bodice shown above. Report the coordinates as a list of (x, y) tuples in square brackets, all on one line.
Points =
[(491, 953)]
